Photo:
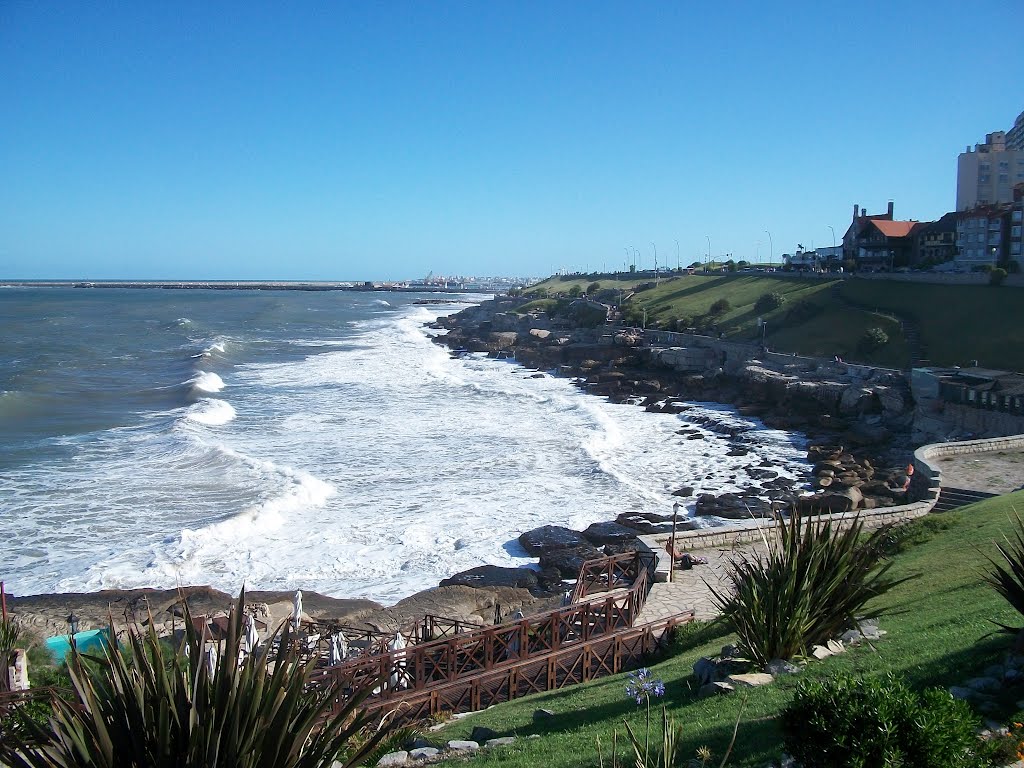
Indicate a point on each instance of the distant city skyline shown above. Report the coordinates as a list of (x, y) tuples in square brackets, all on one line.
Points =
[(385, 141)]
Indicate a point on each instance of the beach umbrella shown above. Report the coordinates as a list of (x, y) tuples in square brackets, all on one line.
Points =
[(252, 635), (211, 659), (339, 648), (297, 610), (513, 643), (397, 648)]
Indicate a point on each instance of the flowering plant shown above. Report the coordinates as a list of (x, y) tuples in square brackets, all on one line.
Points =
[(641, 686)]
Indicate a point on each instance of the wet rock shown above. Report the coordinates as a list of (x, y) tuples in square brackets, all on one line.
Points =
[(685, 492), (494, 576), (549, 537), (568, 561), (608, 533)]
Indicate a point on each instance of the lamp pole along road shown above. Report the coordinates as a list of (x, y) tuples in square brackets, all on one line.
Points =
[(771, 246), (679, 267), (707, 262), (655, 263)]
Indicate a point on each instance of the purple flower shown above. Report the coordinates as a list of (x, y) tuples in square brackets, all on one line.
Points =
[(641, 685)]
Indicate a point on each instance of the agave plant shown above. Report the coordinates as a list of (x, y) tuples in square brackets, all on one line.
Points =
[(146, 705), (1007, 574), (810, 585)]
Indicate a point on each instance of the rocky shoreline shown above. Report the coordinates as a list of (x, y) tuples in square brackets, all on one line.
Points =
[(859, 446)]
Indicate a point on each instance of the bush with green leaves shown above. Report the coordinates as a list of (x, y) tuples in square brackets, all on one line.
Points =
[(810, 585), (878, 721), (720, 307), (1007, 572), (593, 288), (873, 338), (149, 706), (997, 276), (766, 302)]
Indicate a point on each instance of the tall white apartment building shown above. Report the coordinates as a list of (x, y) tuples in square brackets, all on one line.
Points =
[(1015, 136), (987, 174)]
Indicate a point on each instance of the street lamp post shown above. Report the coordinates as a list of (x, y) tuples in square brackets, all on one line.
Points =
[(707, 261), (655, 262), (832, 230), (771, 246), (679, 266)]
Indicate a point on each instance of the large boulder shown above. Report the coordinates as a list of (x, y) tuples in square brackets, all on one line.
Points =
[(549, 537), (568, 560), (494, 576), (608, 533)]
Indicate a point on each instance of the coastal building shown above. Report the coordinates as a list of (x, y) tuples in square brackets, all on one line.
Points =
[(878, 242), (987, 174), (1015, 136), (983, 236), (935, 242)]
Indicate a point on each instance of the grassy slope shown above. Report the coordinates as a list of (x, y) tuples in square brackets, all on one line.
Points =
[(939, 634), (957, 323)]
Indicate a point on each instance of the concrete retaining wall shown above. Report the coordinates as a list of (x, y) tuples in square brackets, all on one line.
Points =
[(927, 476)]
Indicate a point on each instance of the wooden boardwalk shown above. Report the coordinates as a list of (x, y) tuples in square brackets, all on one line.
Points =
[(607, 628)]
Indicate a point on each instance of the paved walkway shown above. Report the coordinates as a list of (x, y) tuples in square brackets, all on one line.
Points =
[(993, 471), (689, 590)]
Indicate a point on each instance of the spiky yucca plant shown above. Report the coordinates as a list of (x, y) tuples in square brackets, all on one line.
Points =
[(810, 585), (148, 706), (1007, 574)]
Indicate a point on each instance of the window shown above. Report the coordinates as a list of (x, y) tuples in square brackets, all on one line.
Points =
[(984, 178), (1015, 249), (1017, 215), (1004, 178), (1015, 231), (1004, 165)]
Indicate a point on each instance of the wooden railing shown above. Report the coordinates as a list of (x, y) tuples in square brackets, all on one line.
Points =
[(571, 665), (623, 581)]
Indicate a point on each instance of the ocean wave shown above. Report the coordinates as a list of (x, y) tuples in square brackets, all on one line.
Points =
[(211, 412), (206, 382)]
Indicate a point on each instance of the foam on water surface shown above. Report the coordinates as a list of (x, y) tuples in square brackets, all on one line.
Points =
[(356, 459)]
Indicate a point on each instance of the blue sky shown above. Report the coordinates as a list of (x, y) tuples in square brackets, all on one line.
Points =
[(382, 140)]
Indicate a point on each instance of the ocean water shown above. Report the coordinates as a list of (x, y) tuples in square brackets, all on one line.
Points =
[(290, 439)]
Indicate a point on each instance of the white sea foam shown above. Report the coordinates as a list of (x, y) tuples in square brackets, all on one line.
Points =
[(211, 412), (207, 382), (375, 466)]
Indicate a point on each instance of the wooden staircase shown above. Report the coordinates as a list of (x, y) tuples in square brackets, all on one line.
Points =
[(597, 634)]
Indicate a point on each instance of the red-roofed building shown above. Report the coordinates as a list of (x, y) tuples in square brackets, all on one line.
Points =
[(877, 242)]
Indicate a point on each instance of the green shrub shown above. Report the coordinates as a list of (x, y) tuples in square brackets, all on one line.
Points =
[(593, 288), (873, 338), (1007, 573), (810, 585), (147, 706), (997, 276), (861, 723), (766, 302), (720, 307)]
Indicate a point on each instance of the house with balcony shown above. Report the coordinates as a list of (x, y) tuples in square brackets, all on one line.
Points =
[(879, 243), (936, 241), (983, 236)]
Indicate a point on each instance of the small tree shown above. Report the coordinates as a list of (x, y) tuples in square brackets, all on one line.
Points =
[(873, 338), (769, 301), (575, 291), (997, 276), (720, 307), (593, 288)]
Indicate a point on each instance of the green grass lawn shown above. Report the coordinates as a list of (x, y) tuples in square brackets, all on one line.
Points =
[(957, 323), (940, 633)]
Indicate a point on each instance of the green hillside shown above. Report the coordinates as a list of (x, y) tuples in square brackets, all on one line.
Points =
[(939, 633), (825, 317)]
